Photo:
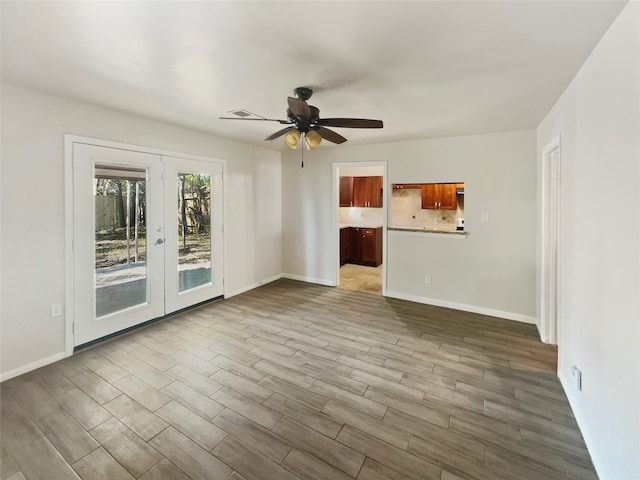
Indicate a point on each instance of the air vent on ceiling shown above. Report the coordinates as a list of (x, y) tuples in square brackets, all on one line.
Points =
[(241, 113)]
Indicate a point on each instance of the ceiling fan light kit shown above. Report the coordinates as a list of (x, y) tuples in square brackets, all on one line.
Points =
[(312, 139), (304, 120), (292, 138)]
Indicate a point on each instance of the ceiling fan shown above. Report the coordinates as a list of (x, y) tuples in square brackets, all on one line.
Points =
[(304, 121)]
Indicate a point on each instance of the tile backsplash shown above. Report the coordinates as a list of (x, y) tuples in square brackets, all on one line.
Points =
[(407, 211), (360, 216)]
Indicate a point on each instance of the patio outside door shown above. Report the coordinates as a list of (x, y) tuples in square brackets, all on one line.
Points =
[(147, 237)]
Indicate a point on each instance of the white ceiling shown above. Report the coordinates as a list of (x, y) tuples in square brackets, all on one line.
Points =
[(426, 68)]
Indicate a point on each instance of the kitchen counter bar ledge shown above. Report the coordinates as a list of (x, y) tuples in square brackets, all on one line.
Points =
[(436, 231)]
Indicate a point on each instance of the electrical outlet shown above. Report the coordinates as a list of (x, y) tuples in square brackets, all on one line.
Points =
[(56, 310), (427, 279)]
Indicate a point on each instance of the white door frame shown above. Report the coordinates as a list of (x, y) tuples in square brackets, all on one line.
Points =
[(69, 140), (550, 242), (336, 221)]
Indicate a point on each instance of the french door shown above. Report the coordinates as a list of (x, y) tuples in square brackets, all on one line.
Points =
[(147, 237)]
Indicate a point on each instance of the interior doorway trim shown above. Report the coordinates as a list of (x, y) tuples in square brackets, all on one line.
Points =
[(336, 221), (69, 141), (550, 243)]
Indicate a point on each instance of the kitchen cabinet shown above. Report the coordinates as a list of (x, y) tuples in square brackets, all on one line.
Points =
[(367, 192), (346, 235), (439, 196), (366, 246), (346, 191)]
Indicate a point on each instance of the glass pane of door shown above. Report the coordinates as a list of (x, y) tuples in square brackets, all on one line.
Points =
[(120, 238), (194, 231)]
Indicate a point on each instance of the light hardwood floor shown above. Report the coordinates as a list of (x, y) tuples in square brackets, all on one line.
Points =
[(298, 381)]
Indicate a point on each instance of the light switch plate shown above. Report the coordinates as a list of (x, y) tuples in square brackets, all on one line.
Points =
[(484, 216), (56, 310)]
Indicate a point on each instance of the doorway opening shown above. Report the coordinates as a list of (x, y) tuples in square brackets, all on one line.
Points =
[(550, 277), (361, 219)]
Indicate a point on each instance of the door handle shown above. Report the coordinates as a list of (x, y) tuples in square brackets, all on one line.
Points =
[(159, 241)]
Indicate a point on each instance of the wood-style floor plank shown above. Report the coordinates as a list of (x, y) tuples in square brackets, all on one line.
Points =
[(297, 381)]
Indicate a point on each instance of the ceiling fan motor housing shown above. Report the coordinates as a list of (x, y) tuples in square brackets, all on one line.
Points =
[(303, 93)]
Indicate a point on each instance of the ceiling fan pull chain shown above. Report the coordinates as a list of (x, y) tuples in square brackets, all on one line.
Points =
[(302, 150)]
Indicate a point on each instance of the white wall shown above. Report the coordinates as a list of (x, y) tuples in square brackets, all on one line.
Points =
[(598, 120), (369, 171), (33, 125), (492, 271)]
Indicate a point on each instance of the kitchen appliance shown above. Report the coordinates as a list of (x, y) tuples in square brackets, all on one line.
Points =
[(459, 223)]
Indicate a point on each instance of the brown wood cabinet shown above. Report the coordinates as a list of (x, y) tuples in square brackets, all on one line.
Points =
[(367, 192), (405, 186), (346, 235), (346, 191), (365, 246), (439, 196)]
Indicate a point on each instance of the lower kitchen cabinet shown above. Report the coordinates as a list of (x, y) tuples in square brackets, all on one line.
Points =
[(362, 246), (345, 244)]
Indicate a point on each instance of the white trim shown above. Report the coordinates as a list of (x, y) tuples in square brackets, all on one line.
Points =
[(68, 246), (518, 317), (138, 148), (32, 366), (598, 464), (252, 286), (335, 204), (549, 327), (225, 235), (319, 281)]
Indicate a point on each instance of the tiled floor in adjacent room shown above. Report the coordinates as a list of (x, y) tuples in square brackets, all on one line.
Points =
[(292, 381), (361, 278)]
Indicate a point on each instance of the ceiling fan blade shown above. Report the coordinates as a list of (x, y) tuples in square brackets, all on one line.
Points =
[(330, 135), (279, 133), (256, 119), (299, 108), (350, 122)]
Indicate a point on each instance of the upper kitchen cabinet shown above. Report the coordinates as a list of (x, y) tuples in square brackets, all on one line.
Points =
[(439, 196), (367, 192), (346, 191)]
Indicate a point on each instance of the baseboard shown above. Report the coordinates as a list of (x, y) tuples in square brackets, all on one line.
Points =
[(464, 307), (32, 366), (319, 281), (577, 413), (253, 285)]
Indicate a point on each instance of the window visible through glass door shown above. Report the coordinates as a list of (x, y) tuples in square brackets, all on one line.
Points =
[(194, 230), (120, 238)]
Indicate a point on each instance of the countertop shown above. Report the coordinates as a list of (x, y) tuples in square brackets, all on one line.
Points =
[(401, 228), (442, 230), (360, 225)]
